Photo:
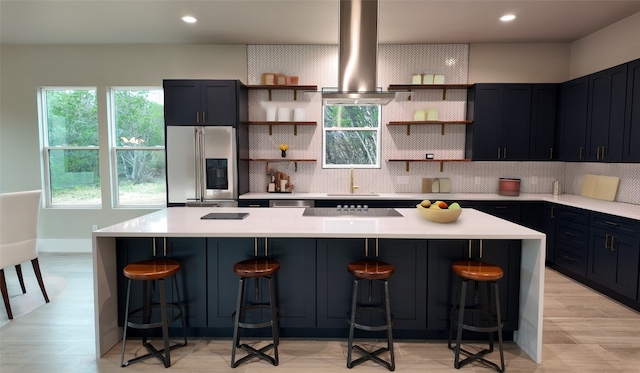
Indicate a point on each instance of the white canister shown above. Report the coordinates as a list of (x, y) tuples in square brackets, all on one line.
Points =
[(557, 188), (299, 114), (271, 114), (284, 114)]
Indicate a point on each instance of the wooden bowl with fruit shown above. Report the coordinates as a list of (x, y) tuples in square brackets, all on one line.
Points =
[(439, 211)]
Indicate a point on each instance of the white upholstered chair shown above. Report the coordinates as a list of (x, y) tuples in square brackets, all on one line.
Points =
[(18, 238)]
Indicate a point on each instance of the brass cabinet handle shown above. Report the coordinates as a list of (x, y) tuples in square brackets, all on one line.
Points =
[(612, 223), (266, 247), (255, 246), (606, 241), (498, 153), (569, 258), (377, 250), (164, 246), (366, 247), (504, 153), (480, 249), (553, 210), (154, 245), (581, 150), (614, 240), (197, 117), (550, 153), (204, 117), (469, 248)]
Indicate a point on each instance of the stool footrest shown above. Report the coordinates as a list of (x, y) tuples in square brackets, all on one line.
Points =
[(371, 355), (153, 352), (158, 324), (491, 318), (252, 352)]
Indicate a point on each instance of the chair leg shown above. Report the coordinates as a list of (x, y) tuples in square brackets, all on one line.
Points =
[(20, 278), (236, 324), (5, 294), (165, 324), (392, 364), (274, 320), (36, 269), (126, 324), (352, 322), (463, 297)]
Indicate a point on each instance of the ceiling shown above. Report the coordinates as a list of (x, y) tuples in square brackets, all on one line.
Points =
[(300, 21)]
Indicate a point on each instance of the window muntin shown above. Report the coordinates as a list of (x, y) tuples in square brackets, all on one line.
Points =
[(351, 136), (70, 146), (137, 143)]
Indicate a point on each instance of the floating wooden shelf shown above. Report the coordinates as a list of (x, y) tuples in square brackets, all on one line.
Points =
[(294, 88), (271, 123), (429, 122), (441, 161), (413, 87), (294, 160)]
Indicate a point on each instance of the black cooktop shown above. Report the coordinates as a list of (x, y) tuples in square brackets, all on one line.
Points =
[(226, 215)]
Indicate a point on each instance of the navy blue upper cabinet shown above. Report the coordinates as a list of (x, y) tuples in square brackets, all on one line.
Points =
[(501, 115), (605, 114), (572, 141), (204, 102), (632, 117), (543, 122)]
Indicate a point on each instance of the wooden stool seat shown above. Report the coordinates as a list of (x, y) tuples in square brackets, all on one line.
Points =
[(477, 271), (152, 269), (370, 269), (256, 267)]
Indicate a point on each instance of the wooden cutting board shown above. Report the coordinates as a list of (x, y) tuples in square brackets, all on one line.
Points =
[(600, 187)]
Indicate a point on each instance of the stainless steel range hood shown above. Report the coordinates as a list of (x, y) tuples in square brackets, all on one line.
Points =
[(357, 57)]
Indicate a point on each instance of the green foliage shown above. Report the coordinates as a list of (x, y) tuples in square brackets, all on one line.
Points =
[(348, 142)]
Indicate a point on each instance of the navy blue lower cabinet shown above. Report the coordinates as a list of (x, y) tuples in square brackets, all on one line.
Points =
[(613, 261), (550, 231), (190, 252), (441, 280)]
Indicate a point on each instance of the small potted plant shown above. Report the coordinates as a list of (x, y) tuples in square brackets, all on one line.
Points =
[(283, 150)]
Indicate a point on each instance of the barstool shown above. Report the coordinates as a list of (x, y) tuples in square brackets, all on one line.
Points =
[(145, 271), (490, 322), (370, 270), (255, 268)]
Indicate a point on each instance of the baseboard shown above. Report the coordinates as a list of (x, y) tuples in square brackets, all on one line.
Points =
[(52, 245)]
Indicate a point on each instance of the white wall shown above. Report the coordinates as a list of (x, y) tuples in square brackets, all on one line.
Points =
[(25, 68), (519, 63), (611, 46)]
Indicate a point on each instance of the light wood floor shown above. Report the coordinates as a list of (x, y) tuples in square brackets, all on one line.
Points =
[(583, 332)]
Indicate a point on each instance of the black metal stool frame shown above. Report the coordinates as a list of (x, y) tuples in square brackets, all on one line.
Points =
[(370, 355), (164, 354), (457, 323), (238, 323)]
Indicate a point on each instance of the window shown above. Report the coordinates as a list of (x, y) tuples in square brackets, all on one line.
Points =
[(138, 158), (70, 146), (351, 136)]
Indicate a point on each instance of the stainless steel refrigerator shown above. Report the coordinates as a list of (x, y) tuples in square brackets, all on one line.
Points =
[(202, 166)]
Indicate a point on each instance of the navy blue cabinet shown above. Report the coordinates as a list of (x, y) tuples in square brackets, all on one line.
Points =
[(544, 99), (605, 114), (204, 102), (442, 254), (572, 239), (572, 139), (549, 222), (631, 150), (501, 115), (190, 252)]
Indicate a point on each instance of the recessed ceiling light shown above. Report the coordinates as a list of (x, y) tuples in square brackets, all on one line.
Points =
[(189, 19), (507, 17)]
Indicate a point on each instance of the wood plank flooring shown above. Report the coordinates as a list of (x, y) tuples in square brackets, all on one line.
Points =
[(583, 332)]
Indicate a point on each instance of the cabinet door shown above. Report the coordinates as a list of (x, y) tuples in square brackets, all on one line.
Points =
[(296, 280), (632, 116), (573, 119), (487, 120), (408, 285), (605, 114), (220, 104), (613, 261), (191, 253), (516, 122), (182, 102), (543, 122), (441, 279), (550, 231), (222, 291), (511, 211), (334, 283)]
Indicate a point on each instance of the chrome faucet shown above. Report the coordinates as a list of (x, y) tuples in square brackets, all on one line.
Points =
[(352, 187)]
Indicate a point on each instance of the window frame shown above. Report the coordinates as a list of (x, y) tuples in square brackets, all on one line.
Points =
[(114, 148), (377, 129), (46, 147)]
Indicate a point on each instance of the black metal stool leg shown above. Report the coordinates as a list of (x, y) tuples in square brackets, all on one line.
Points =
[(236, 324), (392, 365), (274, 320), (499, 320), (461, 306), (165, 324), (126, 321), (352, 322), (181, 308)]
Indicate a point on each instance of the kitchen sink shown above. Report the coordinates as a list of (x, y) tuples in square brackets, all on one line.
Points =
[(352, 194), (355, 212)]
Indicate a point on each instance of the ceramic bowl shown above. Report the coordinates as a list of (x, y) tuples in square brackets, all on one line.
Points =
[(439, 215)]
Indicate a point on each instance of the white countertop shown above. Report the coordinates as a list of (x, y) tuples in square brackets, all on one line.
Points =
[(289, 222), (614, 208)]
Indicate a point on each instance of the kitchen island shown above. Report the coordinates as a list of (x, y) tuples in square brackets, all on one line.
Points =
[(311, 240)]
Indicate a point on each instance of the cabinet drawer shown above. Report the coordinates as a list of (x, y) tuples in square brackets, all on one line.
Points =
[(253, 203), (573, 214), (573, 234), (616, 224), (571, 259)]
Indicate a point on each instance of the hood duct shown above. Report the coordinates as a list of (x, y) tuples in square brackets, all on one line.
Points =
[(358, 56)]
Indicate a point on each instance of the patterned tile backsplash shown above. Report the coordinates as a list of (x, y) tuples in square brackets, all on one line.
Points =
[(317, 65)]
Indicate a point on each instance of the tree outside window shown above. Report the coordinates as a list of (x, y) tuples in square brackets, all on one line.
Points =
[(351, 136)]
